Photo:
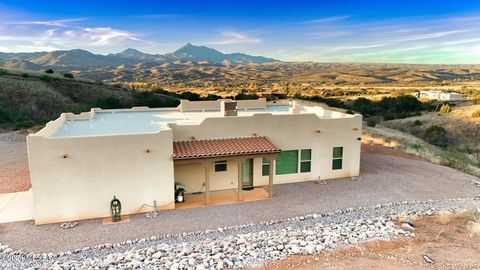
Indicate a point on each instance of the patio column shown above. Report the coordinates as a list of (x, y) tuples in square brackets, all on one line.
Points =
[(270, 176), (207, 183), (240, 177)]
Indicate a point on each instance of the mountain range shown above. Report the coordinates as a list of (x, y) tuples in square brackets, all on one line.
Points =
[(81, 59)]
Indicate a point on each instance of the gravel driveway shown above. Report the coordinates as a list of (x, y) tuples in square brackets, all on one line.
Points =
[(385, 178)]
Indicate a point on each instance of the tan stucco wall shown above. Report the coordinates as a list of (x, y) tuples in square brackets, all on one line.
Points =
[(289, 132), (215, 104), (96, 168)]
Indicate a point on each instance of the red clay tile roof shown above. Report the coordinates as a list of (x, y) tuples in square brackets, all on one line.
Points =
[(223, 147)]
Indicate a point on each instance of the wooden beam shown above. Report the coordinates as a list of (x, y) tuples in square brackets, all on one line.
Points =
[(207, 183), (270, 176), (240, 177)]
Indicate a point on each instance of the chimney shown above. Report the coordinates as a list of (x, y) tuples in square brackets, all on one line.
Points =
[(228, 107)]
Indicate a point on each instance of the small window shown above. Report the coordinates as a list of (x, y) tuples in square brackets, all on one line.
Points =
[(337, 158), (287, 162), (221, 166), (305, 160), (265, 167)]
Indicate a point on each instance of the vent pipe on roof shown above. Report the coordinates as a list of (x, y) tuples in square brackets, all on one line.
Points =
[(228, 108)]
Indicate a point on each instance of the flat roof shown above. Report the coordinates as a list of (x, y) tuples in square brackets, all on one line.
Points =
[(148, 121)]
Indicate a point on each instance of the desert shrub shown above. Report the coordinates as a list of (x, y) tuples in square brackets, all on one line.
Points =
[(46, 78), (4, 116), (349, 112), (436, 135), (25, 75), (117, 85), (109, 103), (245, 96), (417, 123), (445, 108), (68, 75), (21, 124), (476, 114), (211, 97), (190, 96), (3, 71), (99, 82), (476, 101), (371, 123), (49, 71), (153, 100)]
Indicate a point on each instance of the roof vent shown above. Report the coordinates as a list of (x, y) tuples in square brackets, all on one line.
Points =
[(228, 108)]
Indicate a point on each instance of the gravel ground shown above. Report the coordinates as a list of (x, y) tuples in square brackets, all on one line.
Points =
[(14, 175), (246, 245), (384, 179)]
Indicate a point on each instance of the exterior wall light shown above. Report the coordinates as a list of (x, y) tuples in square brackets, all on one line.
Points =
[(254, 134), (65, 156), (355, 129), (147, 150), (192, 138), (317, 131)]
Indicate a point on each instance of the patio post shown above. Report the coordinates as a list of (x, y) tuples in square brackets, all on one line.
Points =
[(240, 177), (270, 176), (207, 183)]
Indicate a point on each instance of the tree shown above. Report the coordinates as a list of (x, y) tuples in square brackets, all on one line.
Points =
[(68, 75)]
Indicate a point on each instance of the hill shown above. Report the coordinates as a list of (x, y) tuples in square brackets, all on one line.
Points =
[(32, 98)]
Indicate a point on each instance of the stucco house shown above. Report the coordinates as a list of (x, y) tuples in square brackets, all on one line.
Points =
[(78, 162)]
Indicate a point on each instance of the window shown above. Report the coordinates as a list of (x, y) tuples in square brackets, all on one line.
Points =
[(265, 167), (221, 166), (337, 158), (305, 160), (287, 162)]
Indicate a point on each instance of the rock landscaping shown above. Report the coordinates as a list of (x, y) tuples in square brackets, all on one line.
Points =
[(245, 245)]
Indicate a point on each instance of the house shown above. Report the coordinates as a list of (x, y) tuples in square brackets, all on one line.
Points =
[(78, 162), (439, 95)]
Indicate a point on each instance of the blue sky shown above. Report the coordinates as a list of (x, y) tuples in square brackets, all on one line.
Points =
[(325, 31)]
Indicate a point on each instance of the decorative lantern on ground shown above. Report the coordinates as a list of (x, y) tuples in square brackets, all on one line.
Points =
[(115, 209)]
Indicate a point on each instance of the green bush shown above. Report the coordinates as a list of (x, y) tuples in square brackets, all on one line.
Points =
[(476, 114), (4, 116), (476, 101), (99, 82), (46, 78), (68, 75), (436, 135), (349, 112), (21, 124), (3, 71), (49, 71), (190, 96), (417, 123), (371, 123), (25, 75), (109, 103), (445, 108)]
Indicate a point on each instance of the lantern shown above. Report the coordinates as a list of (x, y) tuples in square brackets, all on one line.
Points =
[(115, 209)]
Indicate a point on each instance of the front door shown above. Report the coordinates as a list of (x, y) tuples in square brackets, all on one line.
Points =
[(247, 174)]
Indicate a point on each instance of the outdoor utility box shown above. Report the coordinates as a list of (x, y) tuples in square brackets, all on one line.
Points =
[(228, 108)]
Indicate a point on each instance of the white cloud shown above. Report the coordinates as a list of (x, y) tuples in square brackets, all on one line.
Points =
[(231, 37), (56, 23), (329, 19)]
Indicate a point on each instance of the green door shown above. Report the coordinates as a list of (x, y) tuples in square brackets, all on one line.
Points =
[(247, 173)]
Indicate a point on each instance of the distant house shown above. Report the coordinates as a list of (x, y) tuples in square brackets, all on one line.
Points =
[(80, 161), (439, 95)]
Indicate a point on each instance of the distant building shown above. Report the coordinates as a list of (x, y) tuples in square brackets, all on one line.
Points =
[(439, 95)]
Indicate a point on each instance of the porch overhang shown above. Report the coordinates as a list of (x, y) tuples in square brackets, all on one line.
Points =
[(220, 148)]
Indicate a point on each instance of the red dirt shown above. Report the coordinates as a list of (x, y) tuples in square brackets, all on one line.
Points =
[(14, 174), (451, 246), (383, 150)]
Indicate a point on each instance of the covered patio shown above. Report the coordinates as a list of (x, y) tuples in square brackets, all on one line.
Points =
[(239, 151)]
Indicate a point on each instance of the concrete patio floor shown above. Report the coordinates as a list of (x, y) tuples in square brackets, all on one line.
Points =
[(17, 206), (384, 178)]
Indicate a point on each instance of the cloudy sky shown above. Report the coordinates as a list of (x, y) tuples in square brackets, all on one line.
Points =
[(425, 31)]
